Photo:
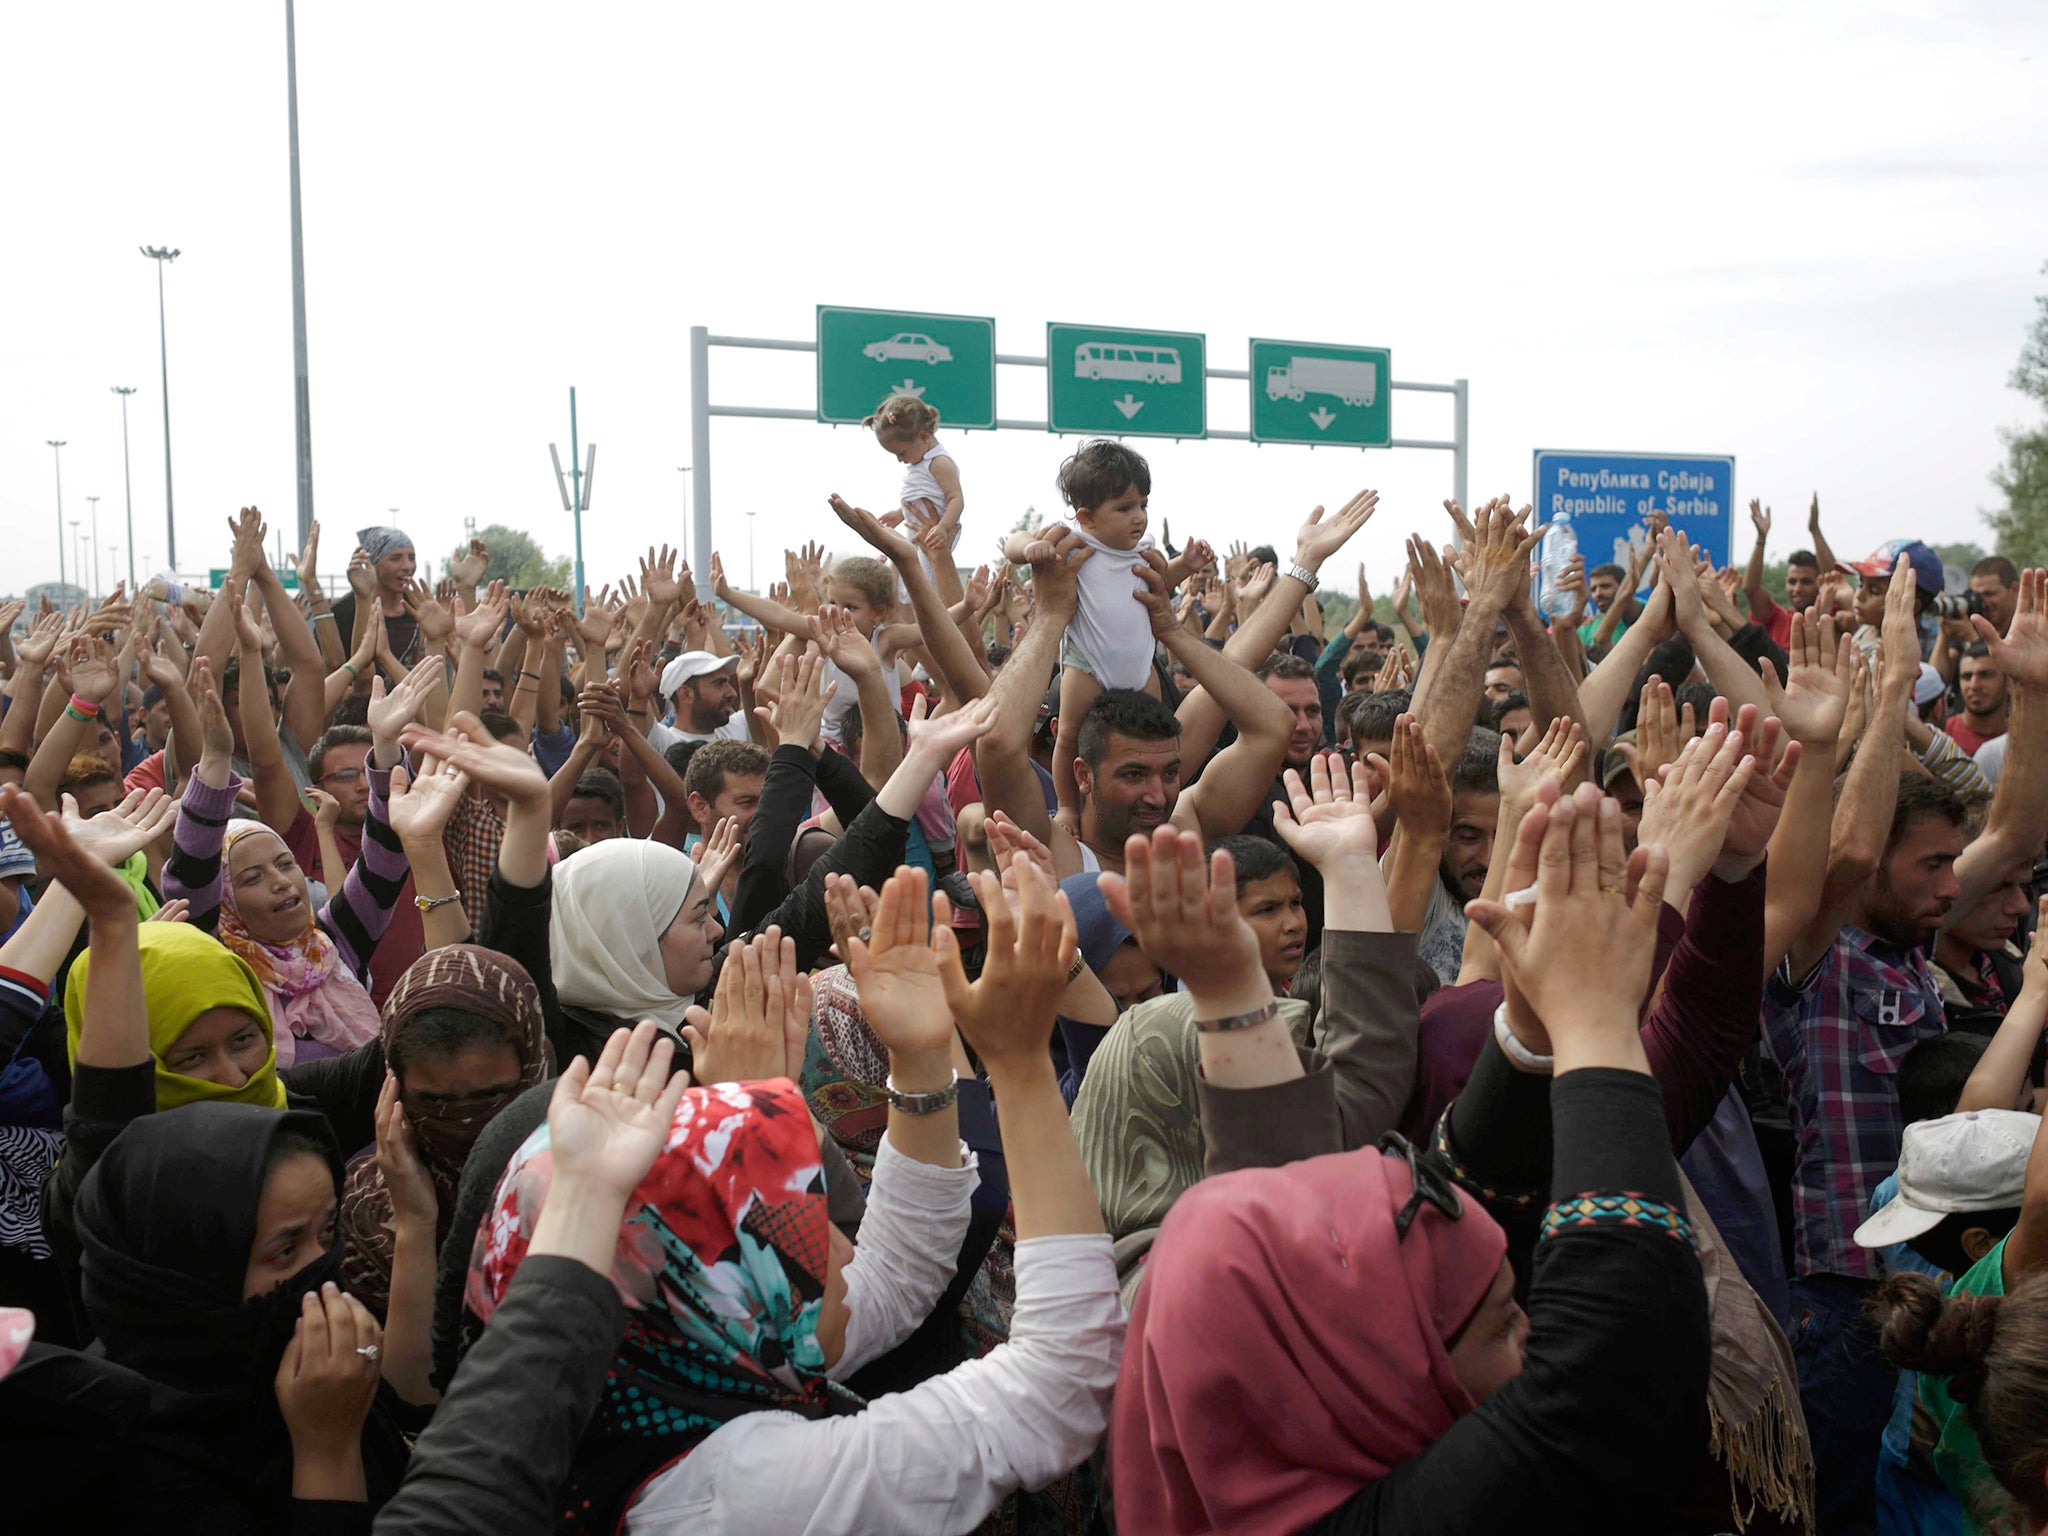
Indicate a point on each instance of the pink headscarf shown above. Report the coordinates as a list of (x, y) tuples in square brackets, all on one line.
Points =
[(1287, 1347), (312, 996)]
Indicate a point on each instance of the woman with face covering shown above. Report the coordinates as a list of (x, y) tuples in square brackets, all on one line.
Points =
[(722, 1409), (243, 883), (463, 1037)]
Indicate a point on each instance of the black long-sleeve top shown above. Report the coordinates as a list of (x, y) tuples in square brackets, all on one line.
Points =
[(1613, 1390)]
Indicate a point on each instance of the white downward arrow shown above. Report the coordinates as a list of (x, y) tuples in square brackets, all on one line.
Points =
[(1128, 406), (1322, 416), (908, 388)]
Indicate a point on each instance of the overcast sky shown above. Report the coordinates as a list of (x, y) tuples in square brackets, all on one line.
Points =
[(1808, 236)]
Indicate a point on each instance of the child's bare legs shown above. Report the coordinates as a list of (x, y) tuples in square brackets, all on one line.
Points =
[(1078, 692)]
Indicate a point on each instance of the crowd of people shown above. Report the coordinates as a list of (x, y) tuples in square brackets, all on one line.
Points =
[(1076, 1044)]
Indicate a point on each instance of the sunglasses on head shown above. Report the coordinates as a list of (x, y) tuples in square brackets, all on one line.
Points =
[(1428, 1180)]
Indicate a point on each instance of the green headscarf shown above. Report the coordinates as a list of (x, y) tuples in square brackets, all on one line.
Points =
[(186, 973)]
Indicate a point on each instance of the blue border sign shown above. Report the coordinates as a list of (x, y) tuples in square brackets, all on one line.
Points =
[(1609, 498)]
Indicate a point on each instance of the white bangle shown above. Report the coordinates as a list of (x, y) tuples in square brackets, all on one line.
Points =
[(1513, 1049)]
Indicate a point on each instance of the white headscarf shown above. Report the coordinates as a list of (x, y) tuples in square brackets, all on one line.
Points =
[(613, 901)]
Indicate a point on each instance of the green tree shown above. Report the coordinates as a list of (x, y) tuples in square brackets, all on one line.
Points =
[(2022, 523), (516, 559), (1964, 555)]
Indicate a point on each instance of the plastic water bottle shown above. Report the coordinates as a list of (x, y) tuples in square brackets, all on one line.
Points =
[(164, 588), (1559, 545)]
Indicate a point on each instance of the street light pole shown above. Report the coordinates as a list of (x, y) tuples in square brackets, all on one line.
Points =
[(751, 587), (127, 484), (58, 454), (78, 559), (684, 469), (301, 394), (161, 254), (94, 503)]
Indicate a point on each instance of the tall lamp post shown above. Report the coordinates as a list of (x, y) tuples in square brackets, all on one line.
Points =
[(58, 453), (160, 254), (78, 559), (94, 503), (127, 485), (301, 394), (751, 587)]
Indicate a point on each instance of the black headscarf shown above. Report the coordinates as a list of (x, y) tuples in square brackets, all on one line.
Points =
[(166, 1220)]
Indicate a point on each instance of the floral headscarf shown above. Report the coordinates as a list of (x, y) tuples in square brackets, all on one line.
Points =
[(296, 975), (721, 1263), (468, 979), (846, 1069)]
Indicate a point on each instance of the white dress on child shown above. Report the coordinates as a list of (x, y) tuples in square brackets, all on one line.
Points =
[(920, 484), (1112, 631)]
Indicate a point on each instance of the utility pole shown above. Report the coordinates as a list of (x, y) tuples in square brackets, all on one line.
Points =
[(58, 454), (127, 485), (579, 503), (94, 503), (302, 400), (159, 254)]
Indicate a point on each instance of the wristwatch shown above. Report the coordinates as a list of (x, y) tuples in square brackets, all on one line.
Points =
[(1304, 575), (922, 1103)]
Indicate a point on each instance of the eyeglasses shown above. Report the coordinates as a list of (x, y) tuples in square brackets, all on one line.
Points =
[(1428, 1180), (341, 776)]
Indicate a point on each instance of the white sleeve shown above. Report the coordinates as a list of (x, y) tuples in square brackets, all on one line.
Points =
[(938, 1458), (909, 1248)]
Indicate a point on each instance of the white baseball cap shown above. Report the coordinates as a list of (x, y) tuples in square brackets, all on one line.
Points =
[(690, 666), (1928, 686), (1974, 1161)]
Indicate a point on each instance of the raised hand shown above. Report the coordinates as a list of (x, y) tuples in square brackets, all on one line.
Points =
[(1252, 585), (799, 712), (1675, 557), (66, 853), (744, 1036), (1495, 560), (435, 621), (390, 713), (720, 587), (1182, 908), (1395, 672), (1329, 819), (897, 973), (939, 741), (88, 664), (608, 1123), (1417, 788), (843, 644), (658, 579), (1820, 668), (422, 805), (1556, 756), (1900, 634), (467, 569), (2022, 651), (594, 627), (1317, 540), (245, 531), (1007, 1012), (1430, 574), (34, 648), (716, 854), (1660, 733), (495, 765), (893, 545), (1760, 515), (1006, 840), (1687, 809), (1756, 814), (362, 575), (478, 627)]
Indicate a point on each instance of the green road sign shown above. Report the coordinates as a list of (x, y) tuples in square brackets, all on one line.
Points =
[(866, 355), (216, 577), (1306, 392), (1126, 383)]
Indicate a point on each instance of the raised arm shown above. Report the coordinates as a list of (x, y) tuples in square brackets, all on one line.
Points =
[(1606, 690), (277, 792), (962, 674), (2017, 825), (1495, 565), (475, 629), (1760, 602), (1810, 705), (761, 609), (1821, 552), (1733, 678), (1553, 687), (1003, 760), (305, 693), (89, 671)]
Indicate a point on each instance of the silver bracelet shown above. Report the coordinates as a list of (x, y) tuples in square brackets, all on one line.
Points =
[(1304, 575), (1513, 1049), (1250, 1020), (922, 1103)]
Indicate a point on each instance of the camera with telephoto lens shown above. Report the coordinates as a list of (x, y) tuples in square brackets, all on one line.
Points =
[(1957, 605)]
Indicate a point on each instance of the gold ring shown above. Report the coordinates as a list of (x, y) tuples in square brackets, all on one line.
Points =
[(1613, 890)]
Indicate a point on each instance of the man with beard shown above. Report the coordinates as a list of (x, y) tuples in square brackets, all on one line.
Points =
[(1468, 853), (1856, 993)]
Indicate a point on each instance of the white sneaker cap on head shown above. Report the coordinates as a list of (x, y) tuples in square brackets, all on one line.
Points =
[(1974, 1161)]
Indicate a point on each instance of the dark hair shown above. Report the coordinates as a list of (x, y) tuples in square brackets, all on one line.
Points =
[(679, 757), (1500, 709), (1700, 696), (1994, 1350), (851, 727), (354, 709), (1360, 667), (1921, 797), (1256, 858), (1999, 566), (295, 1140), (1373, 716), (1122, 712), (1977, 649), (1804, 557), (1478, 768), (1942, 1244), (1931, 1075), (998, 654), (335, 736), (602, 784), (1286, 664), (443, 1029), (1607, 570), (152, 696), (719, 759), (1101, 470), (1262, 554), (493, 675), (501, 725), (1307, 983), (1505, 659)]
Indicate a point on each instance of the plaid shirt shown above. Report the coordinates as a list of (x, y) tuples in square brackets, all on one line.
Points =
[(471, 841), (1839, 1036)]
